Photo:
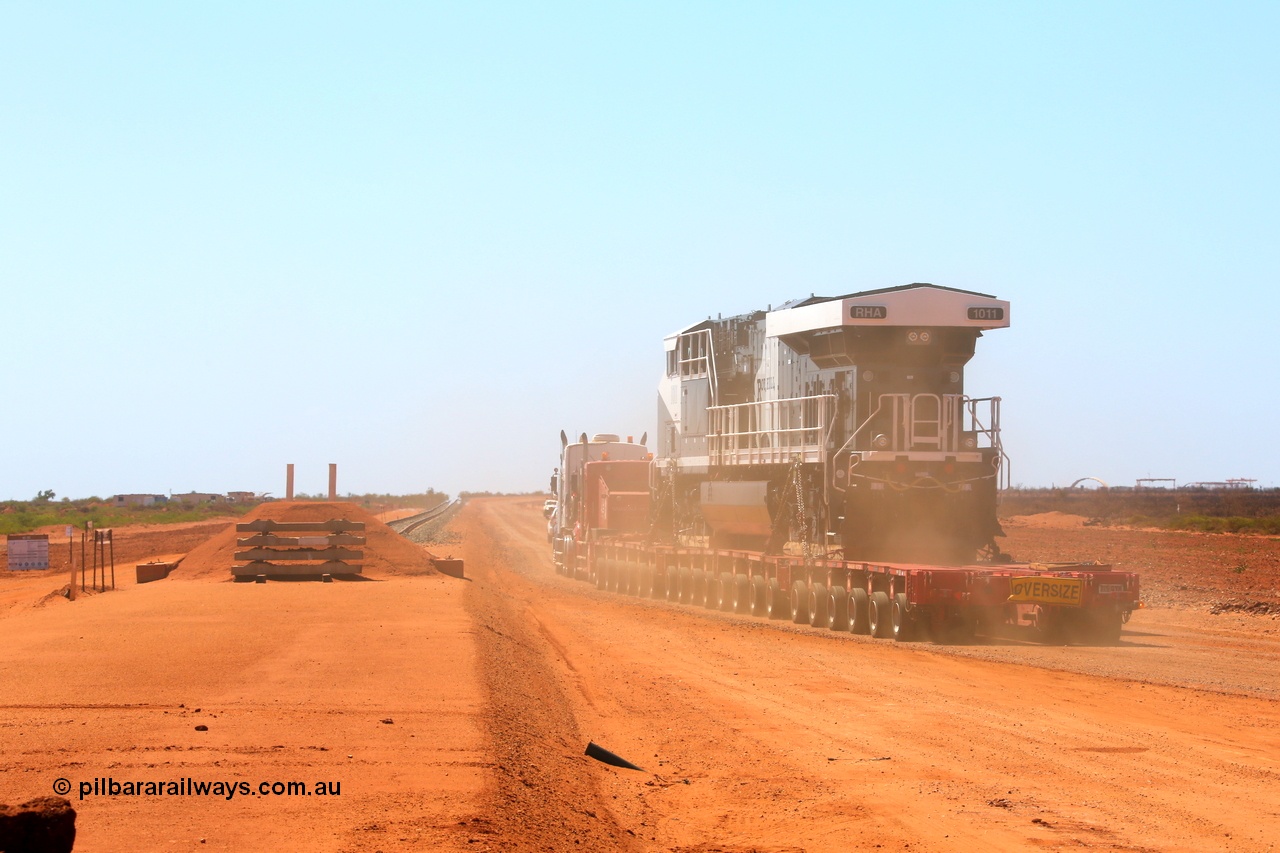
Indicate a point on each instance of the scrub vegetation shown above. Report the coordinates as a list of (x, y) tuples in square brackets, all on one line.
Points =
[(45, 511), (1207, 510)]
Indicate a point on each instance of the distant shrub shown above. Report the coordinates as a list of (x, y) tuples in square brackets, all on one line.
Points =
[(1231, 524)]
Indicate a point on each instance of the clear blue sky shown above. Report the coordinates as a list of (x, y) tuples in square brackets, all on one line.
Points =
[(420, 239)]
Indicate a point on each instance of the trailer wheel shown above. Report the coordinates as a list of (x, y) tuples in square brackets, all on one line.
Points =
[(957, 628), (838, 608), (758, 604), (819, 615), (859, 606), (601, 578), (799, 603), (1050, 627), (878, 617), (744, 595), (904, 624), (672, 583), (1104, 628), (728, 589), (711, 601), (685, 585), (776, 605)]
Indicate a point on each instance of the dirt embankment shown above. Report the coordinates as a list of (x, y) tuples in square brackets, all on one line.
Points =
[(1198, 571)]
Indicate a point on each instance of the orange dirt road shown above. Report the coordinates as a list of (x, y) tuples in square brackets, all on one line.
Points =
[(455, 714), (760, 737)]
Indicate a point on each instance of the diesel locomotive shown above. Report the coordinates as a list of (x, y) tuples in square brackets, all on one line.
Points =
[(839, 424)]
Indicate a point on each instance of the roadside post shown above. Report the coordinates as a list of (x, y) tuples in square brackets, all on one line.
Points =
[(71, 562)]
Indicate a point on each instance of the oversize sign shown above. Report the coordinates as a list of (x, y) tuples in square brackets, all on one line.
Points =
[(1064, 591), (28, 551)]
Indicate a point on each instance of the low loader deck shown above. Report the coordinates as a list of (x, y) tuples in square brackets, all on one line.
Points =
[(1053, 603)]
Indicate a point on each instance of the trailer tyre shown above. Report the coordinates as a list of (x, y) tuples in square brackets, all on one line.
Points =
[(1050, 627), (744, 594), (685, 585), (859, 606), (879, 620), (819, 597), (838, 608), (728, 589), (904, 623), (776, 605), (799, 603), (699, 587), (757, 606), (601, 578), (711, 601), (1107, 628)]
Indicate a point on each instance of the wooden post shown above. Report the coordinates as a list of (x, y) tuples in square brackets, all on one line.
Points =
[(333, 481), (71, 562), (288, 482)]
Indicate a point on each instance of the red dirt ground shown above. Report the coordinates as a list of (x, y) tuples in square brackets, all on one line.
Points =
[(454, 713)]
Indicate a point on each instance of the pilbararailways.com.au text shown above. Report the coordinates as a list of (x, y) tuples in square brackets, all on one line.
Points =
[(188, 787)]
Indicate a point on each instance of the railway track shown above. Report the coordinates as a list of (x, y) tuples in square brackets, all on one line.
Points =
[(405, 526)]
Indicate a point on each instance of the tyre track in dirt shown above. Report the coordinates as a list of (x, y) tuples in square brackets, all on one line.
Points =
[(760, 737), (543, 794)]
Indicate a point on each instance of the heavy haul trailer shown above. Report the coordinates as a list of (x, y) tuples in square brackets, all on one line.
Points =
[(1082, 602), (821, 461)]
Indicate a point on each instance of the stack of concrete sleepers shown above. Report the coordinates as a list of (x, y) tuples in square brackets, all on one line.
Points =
[(320, 548)]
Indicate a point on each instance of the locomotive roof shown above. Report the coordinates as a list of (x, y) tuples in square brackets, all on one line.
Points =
[(917, 304), (814, 299), (909, 305)]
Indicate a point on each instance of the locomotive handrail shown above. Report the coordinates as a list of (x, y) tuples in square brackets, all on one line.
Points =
[(767, 435), (853, 435), (903, 430), (993, 435)]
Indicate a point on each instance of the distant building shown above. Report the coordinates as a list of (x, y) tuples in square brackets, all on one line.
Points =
[(241, 497), (138, 500), (197, 497)]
